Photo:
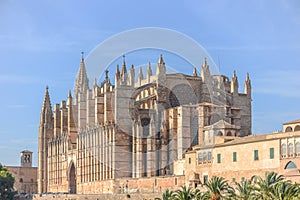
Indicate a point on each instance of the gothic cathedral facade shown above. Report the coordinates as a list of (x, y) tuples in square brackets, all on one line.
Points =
[(137, 127)]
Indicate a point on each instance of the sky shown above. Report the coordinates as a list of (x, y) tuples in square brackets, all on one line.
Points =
[(41, 41)]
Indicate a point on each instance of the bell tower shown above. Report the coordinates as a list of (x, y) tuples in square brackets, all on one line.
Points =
[(26, 158)]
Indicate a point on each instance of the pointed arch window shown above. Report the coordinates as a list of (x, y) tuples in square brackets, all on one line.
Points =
[(290, 165)]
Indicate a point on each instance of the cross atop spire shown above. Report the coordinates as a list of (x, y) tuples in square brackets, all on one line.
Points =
[(82, 55)]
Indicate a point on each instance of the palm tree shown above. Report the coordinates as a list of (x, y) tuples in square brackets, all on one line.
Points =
[(199, 195), (265, 187), (285, 191), (245, 190), (185, 193), (218, 188), (167, 195)]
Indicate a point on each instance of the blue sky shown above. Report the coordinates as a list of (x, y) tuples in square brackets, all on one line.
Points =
[(41, 41)]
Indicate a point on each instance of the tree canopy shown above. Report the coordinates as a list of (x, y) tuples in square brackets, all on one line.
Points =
[(6, 184)]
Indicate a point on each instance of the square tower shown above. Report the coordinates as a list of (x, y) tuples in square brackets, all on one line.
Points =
[(26, 158)]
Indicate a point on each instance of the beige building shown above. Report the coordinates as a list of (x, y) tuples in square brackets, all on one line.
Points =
[(25, 175), (134, 134), (237, 159)]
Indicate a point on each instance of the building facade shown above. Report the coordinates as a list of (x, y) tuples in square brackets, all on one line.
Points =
[(108, 137), (238, 159), (25, 175)]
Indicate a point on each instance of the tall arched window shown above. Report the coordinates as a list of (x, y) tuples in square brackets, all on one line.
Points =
[(291, 149), (298, 148), (297, 128), (288, 129), (195, 132), (283, 149)]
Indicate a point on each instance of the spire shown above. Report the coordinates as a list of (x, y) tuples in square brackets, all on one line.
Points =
[(140, 76), (82, 81), (205, 73), (247, 86), (234, 83), (117, 73), (161, 60), (106, 76), (47, 103), (124, 70), (247, 78), (195, 72), (149, 70), (131, 76), (161, 68), (46, 108), (95, 83), (69, 95), (205, 62)]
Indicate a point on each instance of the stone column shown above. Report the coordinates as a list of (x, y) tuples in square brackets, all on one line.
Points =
[(134, 149)]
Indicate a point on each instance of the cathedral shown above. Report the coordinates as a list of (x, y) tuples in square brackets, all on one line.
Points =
[(138, 126)]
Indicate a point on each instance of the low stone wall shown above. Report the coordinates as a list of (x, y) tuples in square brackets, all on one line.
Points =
[(153, 196)]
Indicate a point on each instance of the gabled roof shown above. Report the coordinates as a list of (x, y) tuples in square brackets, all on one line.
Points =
[(222, 124)]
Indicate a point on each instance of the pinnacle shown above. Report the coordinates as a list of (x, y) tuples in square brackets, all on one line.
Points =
[(195, 72), (47, 103), (149, 70), (82, 81), (141, 76), (69, 95), (161, 60)]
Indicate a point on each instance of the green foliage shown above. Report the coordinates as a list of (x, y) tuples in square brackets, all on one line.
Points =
[(218, 188), (272, 186), (183, 194), (6, 184), (167, 195)]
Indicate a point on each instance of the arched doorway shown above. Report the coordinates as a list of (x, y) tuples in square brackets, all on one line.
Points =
[(72, 179)]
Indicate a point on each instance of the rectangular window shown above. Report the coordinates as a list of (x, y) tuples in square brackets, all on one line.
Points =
[(205, 178), (255, 154), (209, 156), (176, 181), (233, 180), (243, 179), (204, 156), (219, 158), (234, 156), (190, 160), (272, 153), (200, 158)]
